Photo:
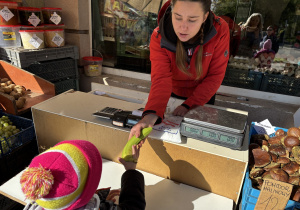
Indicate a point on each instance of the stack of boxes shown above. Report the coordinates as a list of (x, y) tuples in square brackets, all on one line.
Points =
[(55, 64)]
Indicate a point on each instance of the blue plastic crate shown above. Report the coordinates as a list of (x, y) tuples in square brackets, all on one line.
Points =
[(247, 79), (250, 194), (25, 135), (277, 83)]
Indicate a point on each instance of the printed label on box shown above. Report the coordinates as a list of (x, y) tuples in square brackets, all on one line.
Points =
[(35, 41), (6, 13), (34, 20), (55, 18), (8, 35), (57, 39)]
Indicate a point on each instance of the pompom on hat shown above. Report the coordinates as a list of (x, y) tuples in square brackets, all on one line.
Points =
[(65, 176)]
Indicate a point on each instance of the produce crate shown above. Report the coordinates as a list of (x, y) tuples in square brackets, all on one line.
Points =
[(25, 135), (40, 89), (55, 70), (250, 194), (277, 83), (23, 58), (62, 86), (247, 79), (21, 151)]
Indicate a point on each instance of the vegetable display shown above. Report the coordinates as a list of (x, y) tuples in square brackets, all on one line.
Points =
[(16, 91), (276, 157)]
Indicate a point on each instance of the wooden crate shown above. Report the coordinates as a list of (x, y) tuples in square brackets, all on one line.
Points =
[(40, 89)]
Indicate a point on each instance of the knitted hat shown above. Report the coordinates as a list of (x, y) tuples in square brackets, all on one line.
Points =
[(267, 45), (267, 48), (65, 176)]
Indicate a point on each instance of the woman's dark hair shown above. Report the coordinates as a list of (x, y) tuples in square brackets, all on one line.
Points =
[(180, 51)]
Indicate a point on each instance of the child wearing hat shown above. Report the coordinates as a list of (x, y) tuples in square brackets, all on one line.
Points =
[(265, 56), (66, 177), (272, 36)]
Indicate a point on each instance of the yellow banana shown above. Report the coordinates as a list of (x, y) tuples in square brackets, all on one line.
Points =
[(127, 151)]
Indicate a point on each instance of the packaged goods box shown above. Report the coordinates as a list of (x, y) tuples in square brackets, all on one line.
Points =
[(203, 165)]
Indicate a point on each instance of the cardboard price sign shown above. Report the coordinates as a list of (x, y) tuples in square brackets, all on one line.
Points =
[(274, 195)]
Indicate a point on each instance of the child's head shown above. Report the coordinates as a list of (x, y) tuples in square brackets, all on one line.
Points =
[(65, 176), (270, 30), (255, 20)]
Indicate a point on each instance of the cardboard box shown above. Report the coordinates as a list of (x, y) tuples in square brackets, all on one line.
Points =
[(40, 89), (203, 165)]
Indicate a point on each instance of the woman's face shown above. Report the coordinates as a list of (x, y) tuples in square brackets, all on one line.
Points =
[(254, 21), (187, 18)]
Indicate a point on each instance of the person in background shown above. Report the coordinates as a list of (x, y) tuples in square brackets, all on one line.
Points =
[(189, 51), (251, 35), (297, 42), (272, 36), (235, 33)]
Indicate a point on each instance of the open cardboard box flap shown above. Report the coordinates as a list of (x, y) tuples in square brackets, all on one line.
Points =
[(37, 88)]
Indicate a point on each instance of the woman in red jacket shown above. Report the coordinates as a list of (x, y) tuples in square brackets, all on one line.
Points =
[(189, 51)]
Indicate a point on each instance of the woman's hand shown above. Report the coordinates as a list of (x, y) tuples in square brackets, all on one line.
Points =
[(180, 111), (135, 154), (147, 121)]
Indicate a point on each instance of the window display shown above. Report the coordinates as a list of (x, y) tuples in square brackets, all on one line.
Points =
[(122, 29)]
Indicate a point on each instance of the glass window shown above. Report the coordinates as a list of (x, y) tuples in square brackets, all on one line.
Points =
[(125, 29), (265, 36)]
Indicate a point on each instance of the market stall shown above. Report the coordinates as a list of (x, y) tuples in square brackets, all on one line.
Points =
[(70, 117)]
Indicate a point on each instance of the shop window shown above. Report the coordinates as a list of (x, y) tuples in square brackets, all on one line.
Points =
[(125, 28), (122, 30)]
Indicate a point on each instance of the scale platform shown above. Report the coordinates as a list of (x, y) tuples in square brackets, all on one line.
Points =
[(215, 125)]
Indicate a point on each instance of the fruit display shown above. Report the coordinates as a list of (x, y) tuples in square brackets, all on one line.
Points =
[(276, 157), (18, 92), (7, 130)]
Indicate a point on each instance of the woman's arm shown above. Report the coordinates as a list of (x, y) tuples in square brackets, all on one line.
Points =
[(161, 77)]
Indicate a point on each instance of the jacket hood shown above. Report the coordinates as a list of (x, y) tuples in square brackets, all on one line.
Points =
[(169, 38)]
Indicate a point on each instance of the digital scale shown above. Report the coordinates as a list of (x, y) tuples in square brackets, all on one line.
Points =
[(215, 125)]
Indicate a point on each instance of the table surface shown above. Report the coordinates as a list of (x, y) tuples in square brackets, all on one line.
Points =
[(160, 193)]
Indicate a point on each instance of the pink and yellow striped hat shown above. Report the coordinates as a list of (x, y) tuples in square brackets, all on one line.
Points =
[(65, 176)]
